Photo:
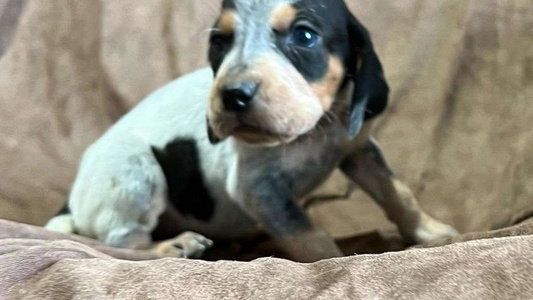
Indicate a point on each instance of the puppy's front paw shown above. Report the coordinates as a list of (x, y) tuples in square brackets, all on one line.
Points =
[(430, 230), (186, 245)]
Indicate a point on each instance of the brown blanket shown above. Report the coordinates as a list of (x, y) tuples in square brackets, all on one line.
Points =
[(458, 131), (34, 264)]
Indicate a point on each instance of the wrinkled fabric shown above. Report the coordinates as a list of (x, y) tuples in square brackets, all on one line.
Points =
[(41, 267), (458, 129), (10, 11)]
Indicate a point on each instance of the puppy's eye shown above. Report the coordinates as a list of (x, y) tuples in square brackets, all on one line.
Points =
[(304, 37)]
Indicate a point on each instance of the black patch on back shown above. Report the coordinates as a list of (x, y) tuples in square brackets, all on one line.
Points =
[(186, 189)]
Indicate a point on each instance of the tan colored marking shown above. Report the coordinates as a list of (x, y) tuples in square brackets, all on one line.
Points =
[(227, 22), (286, 106), (282, 17), (327, 88)]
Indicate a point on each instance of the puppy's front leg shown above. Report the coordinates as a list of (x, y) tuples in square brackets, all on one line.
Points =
[(268, 200), (368, 168)]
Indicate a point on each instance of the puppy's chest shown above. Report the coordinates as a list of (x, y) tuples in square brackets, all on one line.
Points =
[(309, 165), (298, 168)]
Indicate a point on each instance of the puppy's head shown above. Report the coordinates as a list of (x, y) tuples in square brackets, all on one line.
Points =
[(280, 64)]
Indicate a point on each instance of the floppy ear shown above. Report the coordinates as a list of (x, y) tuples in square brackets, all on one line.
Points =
[(370, 88)]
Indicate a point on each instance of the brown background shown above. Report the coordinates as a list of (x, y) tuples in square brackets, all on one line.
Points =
[(458, 129)]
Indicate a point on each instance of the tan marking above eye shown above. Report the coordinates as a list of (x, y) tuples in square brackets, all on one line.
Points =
[(282, 17), (227, 22)]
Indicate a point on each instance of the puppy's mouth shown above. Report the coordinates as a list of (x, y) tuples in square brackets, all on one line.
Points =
[(252, 134), (258, 135)]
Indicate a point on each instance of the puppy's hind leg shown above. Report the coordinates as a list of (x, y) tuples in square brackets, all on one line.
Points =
[(141, 195), (186, 245), (61, 223)]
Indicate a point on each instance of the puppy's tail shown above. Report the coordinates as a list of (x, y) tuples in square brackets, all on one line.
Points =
[(62, 222)]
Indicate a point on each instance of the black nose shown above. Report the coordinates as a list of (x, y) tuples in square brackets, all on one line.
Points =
[(237, 96)]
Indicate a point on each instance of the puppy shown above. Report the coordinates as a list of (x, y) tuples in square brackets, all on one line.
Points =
[(225, 152)]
